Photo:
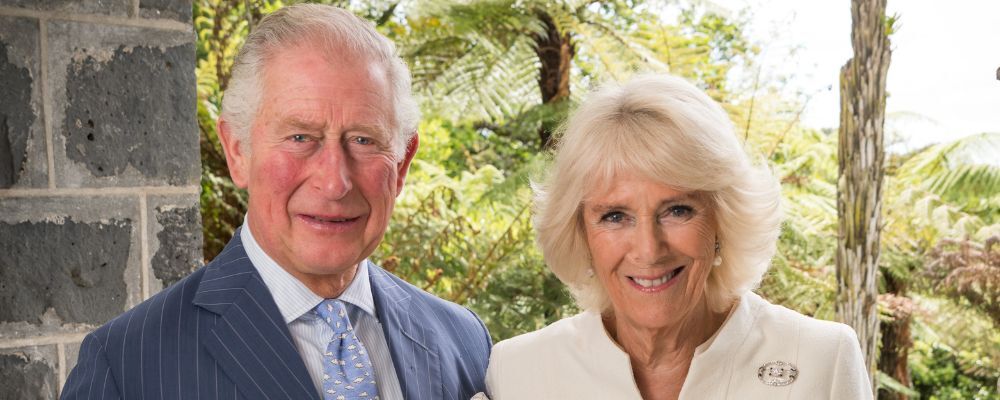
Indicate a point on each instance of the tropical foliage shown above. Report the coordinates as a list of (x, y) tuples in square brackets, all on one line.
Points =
[(495, 78)]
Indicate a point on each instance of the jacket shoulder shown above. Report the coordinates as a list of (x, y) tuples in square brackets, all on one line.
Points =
[(557, 335), (773, 318), (572, 358), (429, 304), (456, 335), (166, 305), (533, 351)]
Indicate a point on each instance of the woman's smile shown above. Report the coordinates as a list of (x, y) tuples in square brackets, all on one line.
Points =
[(652, 284)]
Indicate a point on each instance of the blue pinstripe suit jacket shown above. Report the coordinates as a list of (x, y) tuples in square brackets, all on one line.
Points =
[(217, 334)]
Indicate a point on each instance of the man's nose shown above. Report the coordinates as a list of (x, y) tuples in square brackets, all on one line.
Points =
[(332, 175), (649, 244)]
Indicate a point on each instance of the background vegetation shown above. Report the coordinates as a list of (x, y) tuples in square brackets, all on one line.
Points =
[(495, 77)]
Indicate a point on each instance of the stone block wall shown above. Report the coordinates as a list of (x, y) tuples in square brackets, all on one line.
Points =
[(99, 173)]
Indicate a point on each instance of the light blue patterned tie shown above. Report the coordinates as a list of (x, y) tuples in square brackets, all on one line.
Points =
[(347, 370)]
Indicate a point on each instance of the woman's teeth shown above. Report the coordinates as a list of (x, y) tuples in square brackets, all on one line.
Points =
[(658, 281)]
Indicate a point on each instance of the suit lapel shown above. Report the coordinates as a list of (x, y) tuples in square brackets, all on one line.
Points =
[(413, 350), (250, 341)]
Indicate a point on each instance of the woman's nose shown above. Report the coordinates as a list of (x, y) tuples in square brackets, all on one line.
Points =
[(649, 244)]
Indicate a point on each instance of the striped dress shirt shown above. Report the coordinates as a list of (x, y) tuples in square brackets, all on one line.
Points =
[(310, 334)]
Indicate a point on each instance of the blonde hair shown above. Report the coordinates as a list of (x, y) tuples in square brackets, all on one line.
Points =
[(662, 128), (341, 34)]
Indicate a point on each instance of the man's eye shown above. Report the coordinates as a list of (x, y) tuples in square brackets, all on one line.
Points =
[(614, 217), (299, 138), (363, 140)]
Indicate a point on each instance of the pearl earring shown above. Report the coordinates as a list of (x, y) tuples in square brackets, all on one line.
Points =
[(718, 257)]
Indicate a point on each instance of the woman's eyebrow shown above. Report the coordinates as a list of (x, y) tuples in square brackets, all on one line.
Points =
[(684, 198), (602, 207)]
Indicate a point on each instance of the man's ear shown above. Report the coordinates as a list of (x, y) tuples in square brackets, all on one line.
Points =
[(236, 159), (404, 165)]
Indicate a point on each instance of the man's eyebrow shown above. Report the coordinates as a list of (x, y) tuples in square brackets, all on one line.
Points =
[(372, 129), (302, 123)]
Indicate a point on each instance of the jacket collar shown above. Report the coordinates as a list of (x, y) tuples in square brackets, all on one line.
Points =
[(411, 344), (249, 339)]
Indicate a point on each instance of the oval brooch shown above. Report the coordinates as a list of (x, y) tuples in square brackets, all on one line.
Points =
[(777, 373)]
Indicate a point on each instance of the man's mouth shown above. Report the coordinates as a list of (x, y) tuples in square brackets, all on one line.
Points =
[(331, 223), (329, 219)]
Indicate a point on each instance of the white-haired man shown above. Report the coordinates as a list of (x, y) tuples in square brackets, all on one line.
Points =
[(318, 124)]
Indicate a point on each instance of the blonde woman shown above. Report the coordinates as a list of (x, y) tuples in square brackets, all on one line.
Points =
[(657, 221)]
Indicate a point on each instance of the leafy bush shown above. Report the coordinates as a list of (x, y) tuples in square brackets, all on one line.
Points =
[(465, 234), (938, 374)]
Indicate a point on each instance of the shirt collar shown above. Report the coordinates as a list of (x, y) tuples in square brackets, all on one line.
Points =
[(734, 330), (292, 297), (359, 292)]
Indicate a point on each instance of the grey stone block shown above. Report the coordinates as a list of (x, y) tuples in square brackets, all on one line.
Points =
[(28, 373), (144, 102), (173, 9), (23, 162), (103, 210), (15, 117), (179, 241), (73, 267), (107, 7), (123, 106)]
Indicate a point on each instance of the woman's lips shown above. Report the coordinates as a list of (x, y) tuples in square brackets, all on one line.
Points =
[(655, 284)]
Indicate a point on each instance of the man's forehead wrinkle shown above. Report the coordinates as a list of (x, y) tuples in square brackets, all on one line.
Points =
[(297, 121), (315, 121), (379, 130), (314, 107), (340, 98)]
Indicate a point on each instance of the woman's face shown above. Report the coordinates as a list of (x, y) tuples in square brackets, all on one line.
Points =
[(652, 248)]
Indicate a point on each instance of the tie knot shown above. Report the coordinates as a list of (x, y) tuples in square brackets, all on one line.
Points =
[(335, 314)]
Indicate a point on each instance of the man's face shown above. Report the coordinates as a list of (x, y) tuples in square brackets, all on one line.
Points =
[(321, 173)]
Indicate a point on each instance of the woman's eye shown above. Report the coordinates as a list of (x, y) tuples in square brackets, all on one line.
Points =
[(613, 217), (680, 212)]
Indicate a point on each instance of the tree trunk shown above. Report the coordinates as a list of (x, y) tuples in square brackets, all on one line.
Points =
[(555, 55), (859, 189), (896, 335)]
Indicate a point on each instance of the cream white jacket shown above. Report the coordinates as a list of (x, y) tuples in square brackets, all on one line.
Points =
[(575, 359)]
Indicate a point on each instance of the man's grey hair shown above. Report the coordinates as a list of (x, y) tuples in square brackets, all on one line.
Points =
[(335, 30)]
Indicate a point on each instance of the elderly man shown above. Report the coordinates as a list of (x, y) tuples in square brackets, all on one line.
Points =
[(318, 124)]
